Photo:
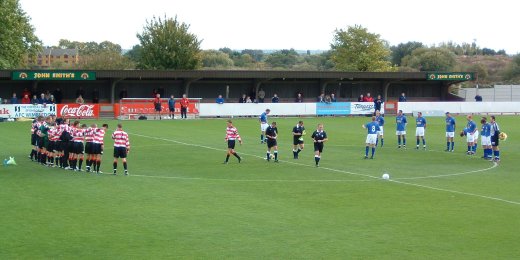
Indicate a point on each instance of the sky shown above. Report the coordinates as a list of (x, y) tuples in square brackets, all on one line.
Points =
[(281, 24)]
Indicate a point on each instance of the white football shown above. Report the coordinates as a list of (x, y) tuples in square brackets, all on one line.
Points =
[(272, 156), (386, 176)]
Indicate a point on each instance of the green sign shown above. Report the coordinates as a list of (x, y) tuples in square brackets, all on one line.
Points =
[(53, 75), (462, 76)]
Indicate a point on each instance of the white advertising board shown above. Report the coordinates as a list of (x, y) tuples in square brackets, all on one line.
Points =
[(26, 110)]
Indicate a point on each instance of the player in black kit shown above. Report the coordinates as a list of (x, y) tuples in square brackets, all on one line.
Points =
[(298, 133), (272, 133), (319, 137)]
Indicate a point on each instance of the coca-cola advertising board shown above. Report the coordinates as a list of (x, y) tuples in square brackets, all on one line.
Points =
[(78, 110)]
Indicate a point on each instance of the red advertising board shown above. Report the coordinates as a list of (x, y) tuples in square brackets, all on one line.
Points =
[(148, 108), (78, 110)]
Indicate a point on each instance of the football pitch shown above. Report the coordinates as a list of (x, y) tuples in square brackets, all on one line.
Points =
[(181, 201)]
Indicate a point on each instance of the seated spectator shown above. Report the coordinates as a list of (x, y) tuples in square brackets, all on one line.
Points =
[(361, 98), (80, 100), (368, 98), (14, 99), (402, 98), (35, 100), (26, 99), (332, 97), (220, 99), (42, 99), (321, 98), (299, 98), (242, 99), (275, 98)]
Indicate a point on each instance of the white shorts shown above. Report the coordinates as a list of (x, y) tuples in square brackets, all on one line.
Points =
[(371, 139), (380, 132), (450, 134), (400, 132), (263, 126), (485, 140), (419, 131), (470, 138), (475, 135)]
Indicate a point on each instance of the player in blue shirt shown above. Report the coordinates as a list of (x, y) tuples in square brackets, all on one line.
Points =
[(380, 119), (470, 129), (495, 132), (401, 123), (420, 126), (372, 129), (450, 132), (485, 138), (263, 125)]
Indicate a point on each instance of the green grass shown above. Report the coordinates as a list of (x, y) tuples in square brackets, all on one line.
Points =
[(182, 202)]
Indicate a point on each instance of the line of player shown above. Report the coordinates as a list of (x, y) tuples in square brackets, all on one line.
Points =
[(58, 143)]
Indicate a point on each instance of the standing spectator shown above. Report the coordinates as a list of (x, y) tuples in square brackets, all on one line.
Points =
[(14, 99), (157, 105), (123, 94), (402, 98), (261, 95), (478, 98), (321, 98), (368, 98), (377, 103), (35, 100), (26, 99), (361, 98), (171, 106), (275, 98), (26, 92), (220, 100), (95, 96), (58, 96), (80, 92), (42, 99), (299, 98), (80, 100), (252, 94), (242, 99), (332, 97), (185, 102)]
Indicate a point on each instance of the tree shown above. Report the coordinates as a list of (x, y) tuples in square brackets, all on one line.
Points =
[(282, 59), (403, 49), (430, 59), (257, 55), (106, 60), (358, 50), (18, 43), (512, 72), (167, 44), (216, 59), (134, 54)]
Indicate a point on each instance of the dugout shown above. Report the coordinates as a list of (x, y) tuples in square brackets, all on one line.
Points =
[(232, 84)]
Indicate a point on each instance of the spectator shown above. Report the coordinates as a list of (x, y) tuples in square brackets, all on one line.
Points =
[(361, 98), (80, 92), (275, 99), (377, 103), (402, 98), (368, 98), (52, 100), (47, 95), (220, 99), (123, 94), (333, 97), (58, 96), (327, 99), (261, 95), (14, 99), (42, 99), (321, 98), (299, 98), (252, 94), (26, 99), (26, 92), (248, 100), (478, 98), (80, 100), (95, 96), (242, 99), (35, 100)]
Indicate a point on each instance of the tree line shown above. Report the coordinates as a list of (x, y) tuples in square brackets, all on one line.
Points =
[(165, 43)]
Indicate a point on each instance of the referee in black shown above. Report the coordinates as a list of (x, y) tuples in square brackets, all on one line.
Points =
[(319, 137)]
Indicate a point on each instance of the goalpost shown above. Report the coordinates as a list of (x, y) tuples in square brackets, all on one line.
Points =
[(135, 108)]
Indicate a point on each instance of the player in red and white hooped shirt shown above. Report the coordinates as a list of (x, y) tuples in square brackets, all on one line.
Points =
[(121, 147), (34, 138), (97, 147), (78, 136), (231, 137), (61, 145), (53, 143), (89, 140)]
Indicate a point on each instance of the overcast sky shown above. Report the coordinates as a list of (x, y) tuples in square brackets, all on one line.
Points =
[(279, 24)]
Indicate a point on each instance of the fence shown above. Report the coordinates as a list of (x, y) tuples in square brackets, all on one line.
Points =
[(497, 93)]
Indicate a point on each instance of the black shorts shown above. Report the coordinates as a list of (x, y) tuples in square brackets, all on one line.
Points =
[(318, 147), (297, 141), (271, 142), (39, 142), (77, 147), (158, 107), (34, 139), (172, 109), (231, 144), (88, 147), (51, 146), (495, 140), (96, 148), (58, 146), (119, 152)]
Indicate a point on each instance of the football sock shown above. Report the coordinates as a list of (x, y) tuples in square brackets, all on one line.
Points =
[(382, 142), (294, 153), (227, 158), (98, 164), (115, 167), (424, 142), (262, 138), (377, 141), (417, 142), (124, 166), (447, 145), (317, 159), (80, 163), (404, 141), (399, 140), (497, 154), (373, 151), (366, 151), (268, 156), (299, 150), (469, 148), (475, 147), (236, 155), (276, 155), (452, 145)]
